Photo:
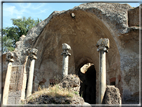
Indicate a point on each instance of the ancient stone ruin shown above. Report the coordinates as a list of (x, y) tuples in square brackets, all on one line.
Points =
[(81, 28)]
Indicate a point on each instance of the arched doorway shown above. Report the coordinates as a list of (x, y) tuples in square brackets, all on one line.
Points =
[(87, 75)]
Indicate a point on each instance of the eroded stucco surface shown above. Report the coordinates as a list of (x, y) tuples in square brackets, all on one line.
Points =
[(91, 22)]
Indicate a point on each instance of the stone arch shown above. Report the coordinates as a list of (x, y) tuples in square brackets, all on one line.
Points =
[(81, 62), (82, 34)]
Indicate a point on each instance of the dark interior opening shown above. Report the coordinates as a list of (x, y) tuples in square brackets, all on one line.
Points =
[(112, 83), (88, 85)]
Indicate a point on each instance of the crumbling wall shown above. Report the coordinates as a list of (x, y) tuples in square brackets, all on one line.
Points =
[(82, 35), (92, 21), (130, 65), (133, 17), (16, 84)]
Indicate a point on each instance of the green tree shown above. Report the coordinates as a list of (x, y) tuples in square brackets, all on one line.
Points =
[(12, 34), (7, 44)]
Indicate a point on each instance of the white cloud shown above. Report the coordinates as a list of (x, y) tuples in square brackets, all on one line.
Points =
[(36, 6), (19, 17), (43, 11), (13, 11), (18, 10), (8, 10), (22, 9), (25, 5)]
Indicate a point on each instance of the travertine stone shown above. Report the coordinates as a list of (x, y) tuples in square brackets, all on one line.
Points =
[(66, 55), (103, 45), (24, 80), (66, 46), (112, 96), (33, 53), (9, 58)]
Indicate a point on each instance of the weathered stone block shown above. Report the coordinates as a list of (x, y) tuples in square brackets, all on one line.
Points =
[(133, 17), (112, 95)]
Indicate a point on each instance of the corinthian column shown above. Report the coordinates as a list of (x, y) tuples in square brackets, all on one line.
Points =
[(103, 45), (32, 56), (66, 55), (9, 58)]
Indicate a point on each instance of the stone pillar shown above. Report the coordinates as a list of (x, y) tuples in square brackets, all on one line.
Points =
[(9, 58), (32, 56), (103, 45), (66, 55), (23, 94)]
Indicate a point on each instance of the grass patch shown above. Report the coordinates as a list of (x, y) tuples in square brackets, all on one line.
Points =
[(76, 93), (54, 91)]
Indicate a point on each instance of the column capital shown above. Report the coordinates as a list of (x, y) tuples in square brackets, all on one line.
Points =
[(9, 57), (32, 53), (27, 51), (103, 44), (66, 52), (65, 48)]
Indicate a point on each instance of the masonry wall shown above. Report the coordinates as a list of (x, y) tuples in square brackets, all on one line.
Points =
[(16, 83)]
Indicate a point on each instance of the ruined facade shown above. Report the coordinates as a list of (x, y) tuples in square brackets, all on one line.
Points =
[(81, 28)]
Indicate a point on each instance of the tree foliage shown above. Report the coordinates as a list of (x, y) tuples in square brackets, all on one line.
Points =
[(12, 34), (7, 44)]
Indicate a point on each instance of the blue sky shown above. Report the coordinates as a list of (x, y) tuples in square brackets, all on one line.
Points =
[(37, 10), (33, 10)]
